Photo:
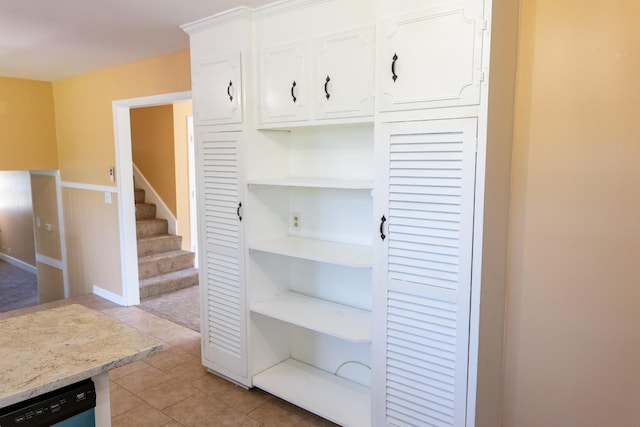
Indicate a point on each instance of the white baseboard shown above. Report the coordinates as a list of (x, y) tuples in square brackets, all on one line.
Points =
[(20, 264), (110, 296)]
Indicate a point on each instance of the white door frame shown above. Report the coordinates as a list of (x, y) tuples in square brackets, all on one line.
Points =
[(193, 210), (124, 185)]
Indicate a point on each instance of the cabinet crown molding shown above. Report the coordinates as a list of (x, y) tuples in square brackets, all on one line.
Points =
[(283, 6), (231, 15)]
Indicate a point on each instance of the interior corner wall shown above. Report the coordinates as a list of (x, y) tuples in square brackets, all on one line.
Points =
[(181, 111), (16, 217), (27, 125), (572, 344), (85, 135), (153, 151)]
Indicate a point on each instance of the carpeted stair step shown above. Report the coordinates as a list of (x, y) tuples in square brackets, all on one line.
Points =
[(158, 244), (138, 195), (168, 282), (151, 227), (156, 264), (145, 211)]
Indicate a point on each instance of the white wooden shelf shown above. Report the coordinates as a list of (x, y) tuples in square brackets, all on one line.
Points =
[(337, 399), (344, 184), (357, 256), (340, 321)]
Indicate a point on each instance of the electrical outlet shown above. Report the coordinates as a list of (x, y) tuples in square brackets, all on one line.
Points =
[(295, 220)]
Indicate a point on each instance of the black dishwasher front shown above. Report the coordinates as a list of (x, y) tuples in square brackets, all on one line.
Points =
[(70, 406)]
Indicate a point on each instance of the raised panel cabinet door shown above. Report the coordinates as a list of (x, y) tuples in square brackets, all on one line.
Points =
[(425, 206), (283, 82), (217, 90), (430, 60), (222, 285), (344, 74)]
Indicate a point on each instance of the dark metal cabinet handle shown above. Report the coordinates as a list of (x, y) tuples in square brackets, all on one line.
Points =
[(394, 76), (238, 211), (382, 221), (326, 82), (229, 90), (293, 87)]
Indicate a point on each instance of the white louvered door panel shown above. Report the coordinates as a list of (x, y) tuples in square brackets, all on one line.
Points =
[(424, 267), (222, 272)]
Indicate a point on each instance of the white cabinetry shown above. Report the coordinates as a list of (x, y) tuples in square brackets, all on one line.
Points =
[(341, 85), (425, 204), (344, 77), (217, 90), (284, 83), (220, 188), (354, 247), (430, 59)]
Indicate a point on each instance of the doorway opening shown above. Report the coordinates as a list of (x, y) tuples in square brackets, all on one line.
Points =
[(125, 186)]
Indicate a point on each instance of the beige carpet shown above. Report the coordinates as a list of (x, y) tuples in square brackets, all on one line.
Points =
[(181, 307)]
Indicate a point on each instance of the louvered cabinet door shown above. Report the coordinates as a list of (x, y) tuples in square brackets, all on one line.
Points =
[(222, 286), (423, 272)]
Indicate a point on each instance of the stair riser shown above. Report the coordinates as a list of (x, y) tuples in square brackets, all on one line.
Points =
[(171, 285), (166, 244), (169, 263), (145, 211), (138, 195), (148, 228)]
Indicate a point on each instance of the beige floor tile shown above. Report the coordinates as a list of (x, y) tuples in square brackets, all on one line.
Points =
[(142, 379), (123, 401), (170, 358), (213, 385), (192, 346), (172, 423), (142, 416), (279, 413), (127, 369), (189, 371), (244, 400), (206, 410), (168, 393)]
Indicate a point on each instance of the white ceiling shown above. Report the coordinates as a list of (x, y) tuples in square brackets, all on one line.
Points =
[(53, 39)]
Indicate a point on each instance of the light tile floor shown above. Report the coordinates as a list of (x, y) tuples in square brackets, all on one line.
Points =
[(172, 388)]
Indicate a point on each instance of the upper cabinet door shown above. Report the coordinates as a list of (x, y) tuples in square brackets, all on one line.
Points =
[(217, 90), (283, 81), (429, 60), (344, 76)]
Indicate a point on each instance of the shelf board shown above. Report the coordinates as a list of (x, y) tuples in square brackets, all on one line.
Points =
[(340, 321), (337, 399), (344, 184), (357, 256)]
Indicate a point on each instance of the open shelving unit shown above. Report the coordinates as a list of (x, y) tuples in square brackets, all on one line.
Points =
[(330, 396), (340, 321), (346, 184), (356, 256)]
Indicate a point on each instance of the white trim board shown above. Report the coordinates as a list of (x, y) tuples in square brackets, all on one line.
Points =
[(109, 296), (17, 263)]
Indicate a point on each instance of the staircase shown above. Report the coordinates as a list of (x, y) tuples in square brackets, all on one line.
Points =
[(162, 265)]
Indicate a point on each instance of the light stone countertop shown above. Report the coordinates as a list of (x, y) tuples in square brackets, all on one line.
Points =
[(46, 350)]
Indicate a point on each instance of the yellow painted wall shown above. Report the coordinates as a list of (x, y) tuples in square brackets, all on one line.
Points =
[(152, 147), (572, 346), (181, 111), (84, 123), (92, 241), (27, 126), (50, 283), (16, 217)]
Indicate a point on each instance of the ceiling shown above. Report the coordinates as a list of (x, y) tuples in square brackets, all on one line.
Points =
[(54, 39)]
